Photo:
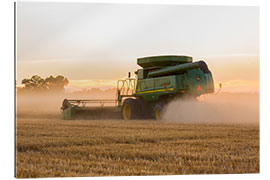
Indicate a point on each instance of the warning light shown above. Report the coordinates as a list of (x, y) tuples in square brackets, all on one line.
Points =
[(182, 91), (199, 88), (165, 85)]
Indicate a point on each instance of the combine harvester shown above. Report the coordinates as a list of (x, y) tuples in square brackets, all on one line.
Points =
[(161, 79)]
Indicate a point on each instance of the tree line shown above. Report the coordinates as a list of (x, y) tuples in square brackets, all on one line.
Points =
[(38, 84)]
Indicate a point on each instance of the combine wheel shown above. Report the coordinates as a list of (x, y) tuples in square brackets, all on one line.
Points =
[(159, 111), (129, 109)]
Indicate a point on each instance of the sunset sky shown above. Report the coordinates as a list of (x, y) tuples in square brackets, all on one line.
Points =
[(93, 45)]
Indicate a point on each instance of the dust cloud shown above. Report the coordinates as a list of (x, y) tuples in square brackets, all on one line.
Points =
[(38, 105), (223, 108)]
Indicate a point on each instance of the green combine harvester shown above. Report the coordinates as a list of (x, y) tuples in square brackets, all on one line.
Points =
[(161, 79)]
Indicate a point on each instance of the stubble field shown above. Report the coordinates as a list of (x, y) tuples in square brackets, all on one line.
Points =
[(54, 147)]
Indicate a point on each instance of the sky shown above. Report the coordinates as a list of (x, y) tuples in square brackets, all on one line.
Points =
[(94, 45)]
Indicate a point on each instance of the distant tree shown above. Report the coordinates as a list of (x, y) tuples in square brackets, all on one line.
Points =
[(35, 83), (50, 84), (56, 83), (95, 90)]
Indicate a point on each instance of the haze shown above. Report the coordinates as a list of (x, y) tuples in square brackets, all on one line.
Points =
[(93, 45)]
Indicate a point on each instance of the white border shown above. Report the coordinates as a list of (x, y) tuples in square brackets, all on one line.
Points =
[(7, 84)]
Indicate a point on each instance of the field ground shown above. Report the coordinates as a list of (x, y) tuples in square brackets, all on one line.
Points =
[(54, 147)]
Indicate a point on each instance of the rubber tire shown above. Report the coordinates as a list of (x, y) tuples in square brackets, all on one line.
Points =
[(159, 106), (133, 108)]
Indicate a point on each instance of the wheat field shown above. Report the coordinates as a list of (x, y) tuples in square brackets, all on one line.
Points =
[(58, 148)]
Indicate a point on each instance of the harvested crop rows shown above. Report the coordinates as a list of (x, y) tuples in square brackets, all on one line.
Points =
[(54, 147)]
